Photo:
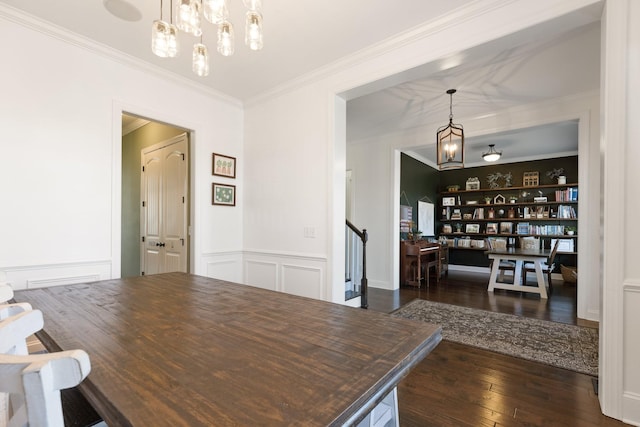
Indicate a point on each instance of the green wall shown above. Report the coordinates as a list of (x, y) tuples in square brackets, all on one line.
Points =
[(419, 182), (132, 145)]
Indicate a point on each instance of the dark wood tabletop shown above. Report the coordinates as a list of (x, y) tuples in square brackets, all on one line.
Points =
[(182, 350)]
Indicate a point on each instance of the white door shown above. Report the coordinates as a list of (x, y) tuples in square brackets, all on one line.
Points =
[(164, 204)]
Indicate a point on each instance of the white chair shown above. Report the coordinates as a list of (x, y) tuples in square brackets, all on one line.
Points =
[(6, 309), (15, 330), (33, 384), (37, 403)]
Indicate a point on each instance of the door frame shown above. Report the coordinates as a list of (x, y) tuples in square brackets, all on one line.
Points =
[(118, 109)]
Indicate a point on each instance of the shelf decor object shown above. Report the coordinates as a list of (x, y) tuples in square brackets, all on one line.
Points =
[(450, 141), (531, 179), (473, 184)]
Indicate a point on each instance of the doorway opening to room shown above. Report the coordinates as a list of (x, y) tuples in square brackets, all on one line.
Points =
[(155, 211)]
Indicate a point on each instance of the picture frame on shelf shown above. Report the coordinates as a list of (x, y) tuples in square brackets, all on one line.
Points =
[(448, 201), (224, 165), (447, 229), (223, 194), (472, 228), (506, 228), (492, 228)]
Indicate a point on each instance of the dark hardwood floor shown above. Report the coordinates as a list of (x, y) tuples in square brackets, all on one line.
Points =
[(458, 385)]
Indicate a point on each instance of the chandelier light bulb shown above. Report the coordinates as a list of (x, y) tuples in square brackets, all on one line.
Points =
[(200, 60), (253, 31), (225, 39), (188, 16), (172, 41), (215, 11), (159, 42)]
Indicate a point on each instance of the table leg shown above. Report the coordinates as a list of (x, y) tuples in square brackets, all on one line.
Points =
[(540, 278), (494, 274), (517, 281)]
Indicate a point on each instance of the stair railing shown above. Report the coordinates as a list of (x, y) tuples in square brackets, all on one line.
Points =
[(351, 260)]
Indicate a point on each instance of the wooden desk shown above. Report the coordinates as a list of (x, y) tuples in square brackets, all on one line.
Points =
[(537, 257), (422, 253), (182, 350)]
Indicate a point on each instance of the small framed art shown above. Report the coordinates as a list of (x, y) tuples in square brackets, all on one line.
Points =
[(492, 228), (472, 228), (224, 165), (224, 194)]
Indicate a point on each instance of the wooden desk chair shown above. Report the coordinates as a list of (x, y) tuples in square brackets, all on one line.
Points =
[(547, 267), (505, 265)]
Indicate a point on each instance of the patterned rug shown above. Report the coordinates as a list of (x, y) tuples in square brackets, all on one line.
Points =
[(557, 344)]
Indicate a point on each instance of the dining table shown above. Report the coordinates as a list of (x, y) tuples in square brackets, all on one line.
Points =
[(519, 255), (178, 349)]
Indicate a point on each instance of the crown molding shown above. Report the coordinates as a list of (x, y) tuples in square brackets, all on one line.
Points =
[(54, 31)]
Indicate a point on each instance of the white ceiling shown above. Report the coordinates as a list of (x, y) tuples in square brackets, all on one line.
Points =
[(552, 60)]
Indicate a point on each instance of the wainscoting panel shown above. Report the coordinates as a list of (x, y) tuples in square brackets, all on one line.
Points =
[(302, 281), (295, 274), (262, 274), (225, 269), (40, 276)]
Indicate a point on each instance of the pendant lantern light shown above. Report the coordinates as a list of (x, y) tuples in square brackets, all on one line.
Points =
[(450, 141)]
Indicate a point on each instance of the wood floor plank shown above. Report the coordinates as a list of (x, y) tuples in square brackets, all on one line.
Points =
[(459, 385)]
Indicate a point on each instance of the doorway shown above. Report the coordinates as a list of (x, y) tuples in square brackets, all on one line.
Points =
[(137, 134)]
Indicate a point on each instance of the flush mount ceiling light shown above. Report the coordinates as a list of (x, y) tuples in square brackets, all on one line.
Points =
[(492, 155), (164, 35), (450, 141)]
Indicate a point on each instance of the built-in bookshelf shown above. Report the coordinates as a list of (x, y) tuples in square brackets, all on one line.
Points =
[(469, 217)]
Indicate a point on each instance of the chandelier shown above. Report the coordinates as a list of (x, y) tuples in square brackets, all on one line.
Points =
[(188, 13), (450, 141)]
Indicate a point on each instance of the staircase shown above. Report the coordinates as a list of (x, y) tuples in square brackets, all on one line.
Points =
[(355, 264)]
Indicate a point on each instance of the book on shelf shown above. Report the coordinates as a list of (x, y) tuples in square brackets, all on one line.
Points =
[(569, 194), (522, 228), (478, 213), (566, 211)]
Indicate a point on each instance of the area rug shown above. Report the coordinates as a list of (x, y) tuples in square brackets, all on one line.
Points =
[(557, 344)]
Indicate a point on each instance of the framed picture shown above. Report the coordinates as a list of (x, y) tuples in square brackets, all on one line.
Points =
[(448, 201), (506, 227), (492, 228), (224, 165), (472, 228), (224, 194)]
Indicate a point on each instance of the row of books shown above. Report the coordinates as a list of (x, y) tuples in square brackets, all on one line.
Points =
[(568, 195), (548, 230), (566, 211)]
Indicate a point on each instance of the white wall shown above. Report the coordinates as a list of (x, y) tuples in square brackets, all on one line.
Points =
[(620, 341), (60, 164)]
